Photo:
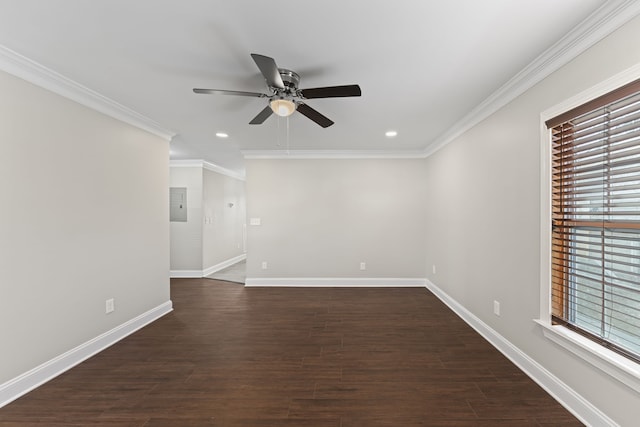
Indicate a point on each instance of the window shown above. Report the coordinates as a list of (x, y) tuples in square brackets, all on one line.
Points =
[(595, 219)]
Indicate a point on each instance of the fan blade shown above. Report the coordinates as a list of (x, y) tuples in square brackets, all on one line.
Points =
[(305, 110), (229, 92), (262, 116), (331, 92), (269, 70)]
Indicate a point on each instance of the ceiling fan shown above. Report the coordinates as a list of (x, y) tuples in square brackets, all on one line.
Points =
[(284, 96)]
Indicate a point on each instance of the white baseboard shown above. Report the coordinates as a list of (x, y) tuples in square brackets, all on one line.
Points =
[(350, 282), (185, 274), (566, 396), (22, 384), (223, 265), (198, 274)]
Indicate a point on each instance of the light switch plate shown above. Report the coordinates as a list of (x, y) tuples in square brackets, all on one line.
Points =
[(109, 306)]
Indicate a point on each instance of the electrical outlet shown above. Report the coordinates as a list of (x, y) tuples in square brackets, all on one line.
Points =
[(496, 308), (264, 265), (109, 306), (363, 266), (433, 268)]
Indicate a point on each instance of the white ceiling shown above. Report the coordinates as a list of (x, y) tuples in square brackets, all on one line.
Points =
[(422, 65)]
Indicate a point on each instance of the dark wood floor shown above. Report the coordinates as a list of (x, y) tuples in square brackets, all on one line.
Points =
[(234, 356)]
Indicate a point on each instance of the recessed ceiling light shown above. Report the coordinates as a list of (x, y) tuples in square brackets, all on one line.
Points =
[(391, 133), (222, 135)]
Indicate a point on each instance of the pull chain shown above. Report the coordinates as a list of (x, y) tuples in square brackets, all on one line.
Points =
[(287, 135)]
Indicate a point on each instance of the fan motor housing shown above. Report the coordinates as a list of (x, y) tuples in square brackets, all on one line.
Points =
[(289, 78)]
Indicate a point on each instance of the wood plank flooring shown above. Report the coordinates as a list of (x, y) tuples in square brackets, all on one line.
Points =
[(323, 357)]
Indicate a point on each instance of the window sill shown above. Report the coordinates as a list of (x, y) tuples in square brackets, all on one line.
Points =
[(615, 365)]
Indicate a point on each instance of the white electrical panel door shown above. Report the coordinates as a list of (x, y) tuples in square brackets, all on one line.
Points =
[(178, 204)]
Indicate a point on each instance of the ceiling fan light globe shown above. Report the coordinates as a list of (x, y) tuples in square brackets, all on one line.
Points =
[(283, 107)]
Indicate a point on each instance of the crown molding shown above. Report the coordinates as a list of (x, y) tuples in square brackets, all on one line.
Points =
[(206, 165), (39, 75), (219, 169), (608, 18), (331, 154), (604, 21)]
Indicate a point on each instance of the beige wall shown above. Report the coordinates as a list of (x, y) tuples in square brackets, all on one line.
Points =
[(83, 218), (483, 221), (186, 237), (321, 218), (224, 224), (472, 210), (85, 211), (214, 231)]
